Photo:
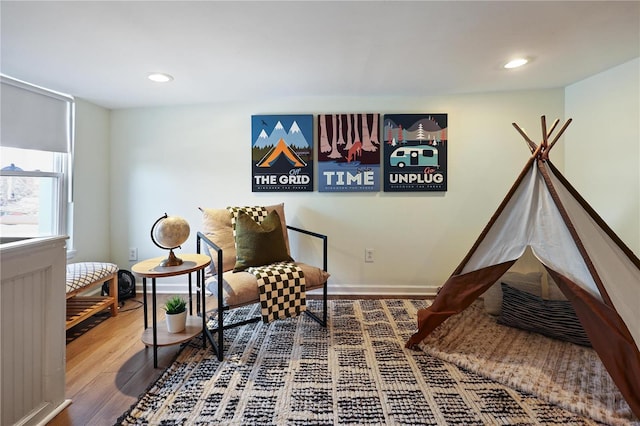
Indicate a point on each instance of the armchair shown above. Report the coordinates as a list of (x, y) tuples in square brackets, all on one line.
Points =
[(233, 289)]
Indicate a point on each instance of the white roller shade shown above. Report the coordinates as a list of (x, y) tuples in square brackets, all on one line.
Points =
[(34, 118)]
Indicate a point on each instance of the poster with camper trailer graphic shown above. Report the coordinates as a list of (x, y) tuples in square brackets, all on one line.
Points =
[(348, 152), (282, 153), (415, 152)]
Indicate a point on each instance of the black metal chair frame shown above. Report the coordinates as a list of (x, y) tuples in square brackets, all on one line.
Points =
[(218, 346)]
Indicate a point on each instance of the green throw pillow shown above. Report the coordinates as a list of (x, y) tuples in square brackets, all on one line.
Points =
[(259, 244)]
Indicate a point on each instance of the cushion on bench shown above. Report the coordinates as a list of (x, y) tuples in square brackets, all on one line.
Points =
[(83, 274)]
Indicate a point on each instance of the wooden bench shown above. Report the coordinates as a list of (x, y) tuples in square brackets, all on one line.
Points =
[(84, 276)]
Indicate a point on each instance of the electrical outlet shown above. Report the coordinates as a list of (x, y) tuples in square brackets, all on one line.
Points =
[(133, 253), (368, 255)]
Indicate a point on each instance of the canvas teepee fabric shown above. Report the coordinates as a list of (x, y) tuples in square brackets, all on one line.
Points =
[(594, 269)]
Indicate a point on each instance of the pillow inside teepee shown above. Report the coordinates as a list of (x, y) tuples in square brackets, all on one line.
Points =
[(552, 318)]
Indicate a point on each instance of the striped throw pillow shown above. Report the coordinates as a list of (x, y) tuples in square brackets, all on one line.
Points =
[(552, 318)]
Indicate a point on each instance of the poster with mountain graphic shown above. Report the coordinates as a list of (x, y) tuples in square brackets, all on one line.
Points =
[(282, 153), (348, 152), (415, 152)]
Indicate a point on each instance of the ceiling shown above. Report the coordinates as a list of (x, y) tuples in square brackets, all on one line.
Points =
[(239, 50)]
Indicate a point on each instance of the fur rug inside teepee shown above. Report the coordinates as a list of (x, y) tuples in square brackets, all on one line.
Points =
[(568, 375)]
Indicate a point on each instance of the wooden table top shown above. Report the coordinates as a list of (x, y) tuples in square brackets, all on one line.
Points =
[(151, 268)]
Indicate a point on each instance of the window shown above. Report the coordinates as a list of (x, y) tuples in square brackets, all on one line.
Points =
[(35, 161), (33, 200)]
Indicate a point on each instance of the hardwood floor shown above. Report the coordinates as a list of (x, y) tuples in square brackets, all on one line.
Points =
[(109, 367)]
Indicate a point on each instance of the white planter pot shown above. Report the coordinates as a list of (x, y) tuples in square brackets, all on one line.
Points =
[(176, 322)]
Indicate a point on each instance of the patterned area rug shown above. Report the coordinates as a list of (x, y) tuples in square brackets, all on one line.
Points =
[(354, 372), (562, 373)]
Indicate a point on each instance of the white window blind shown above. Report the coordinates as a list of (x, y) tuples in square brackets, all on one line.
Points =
[(34, 118)]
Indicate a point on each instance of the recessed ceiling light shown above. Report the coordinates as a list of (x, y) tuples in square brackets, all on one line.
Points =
[(160, 77), (516, 63)]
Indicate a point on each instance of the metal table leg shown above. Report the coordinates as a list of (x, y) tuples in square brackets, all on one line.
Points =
[(155, 328), (144, 300)]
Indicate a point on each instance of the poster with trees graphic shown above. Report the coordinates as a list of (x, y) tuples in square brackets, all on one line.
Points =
[(282, 153), (348, 153), (415, 152)]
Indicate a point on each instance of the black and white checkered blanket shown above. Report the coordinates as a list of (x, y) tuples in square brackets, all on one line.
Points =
[(257, 213), (282, 290), (281, 284)]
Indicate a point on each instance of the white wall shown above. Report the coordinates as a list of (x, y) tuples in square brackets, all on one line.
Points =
[(175, 159), (603, 146), (134, 165), (91, 233)]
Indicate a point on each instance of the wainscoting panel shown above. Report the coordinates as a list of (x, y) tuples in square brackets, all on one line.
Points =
[(32, 356)]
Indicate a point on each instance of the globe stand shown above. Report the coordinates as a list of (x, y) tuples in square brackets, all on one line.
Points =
[(177, 234), (172, 260)]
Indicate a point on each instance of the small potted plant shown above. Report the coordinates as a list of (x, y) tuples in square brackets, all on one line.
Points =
[(176, 309)]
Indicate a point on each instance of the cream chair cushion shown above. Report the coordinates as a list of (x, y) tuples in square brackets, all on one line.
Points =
[(241, 288)]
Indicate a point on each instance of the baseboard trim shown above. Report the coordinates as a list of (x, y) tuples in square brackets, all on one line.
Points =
[(419, 291), (54, 412), (334, 290)]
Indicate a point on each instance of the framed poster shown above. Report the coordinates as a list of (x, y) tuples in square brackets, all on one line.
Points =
[(348, 152), (415, 152), (281, 153)]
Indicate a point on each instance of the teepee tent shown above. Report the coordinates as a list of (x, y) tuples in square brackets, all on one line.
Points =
[(594, 269)]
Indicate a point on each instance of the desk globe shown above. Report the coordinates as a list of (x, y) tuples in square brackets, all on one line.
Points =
[(168, 233)]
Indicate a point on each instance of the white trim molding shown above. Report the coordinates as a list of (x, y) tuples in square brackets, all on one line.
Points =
[(346, 290)]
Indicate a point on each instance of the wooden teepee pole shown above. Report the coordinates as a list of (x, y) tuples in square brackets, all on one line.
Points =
[(532, 144), (553, 127), (543, 149), (564, 127), (545, 135)]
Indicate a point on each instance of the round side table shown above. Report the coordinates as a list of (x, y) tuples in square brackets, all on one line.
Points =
[(158, 335)]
